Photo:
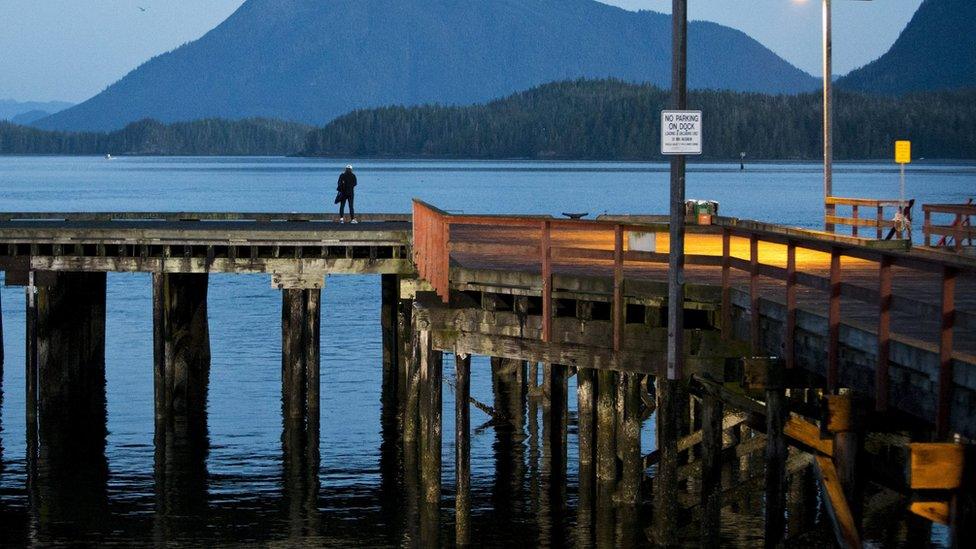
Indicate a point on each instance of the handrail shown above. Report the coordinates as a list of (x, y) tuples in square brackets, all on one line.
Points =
[(961, 228), (432, 249), (877, 221)]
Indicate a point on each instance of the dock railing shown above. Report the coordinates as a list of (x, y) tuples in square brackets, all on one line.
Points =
[(877, 217), (433, 247), (956, 233)]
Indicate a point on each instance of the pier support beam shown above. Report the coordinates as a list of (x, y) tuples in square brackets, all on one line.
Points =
[(586, 410), (430, 367), (300, 336), (711, 455), (670, 397), (181, 347), (389, 322), (67, 468), (181, 356), (462, 450)]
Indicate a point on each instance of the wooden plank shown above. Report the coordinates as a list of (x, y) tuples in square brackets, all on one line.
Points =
[(936, 466), (841, 518), (936, 511), (726, 284)]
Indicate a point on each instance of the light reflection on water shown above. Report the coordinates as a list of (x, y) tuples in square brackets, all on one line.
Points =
[(242, 492)]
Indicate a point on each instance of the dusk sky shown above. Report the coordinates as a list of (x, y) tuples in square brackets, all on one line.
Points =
[(71, 49)]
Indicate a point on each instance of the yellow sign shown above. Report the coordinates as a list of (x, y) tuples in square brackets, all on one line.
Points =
[(903, 152)]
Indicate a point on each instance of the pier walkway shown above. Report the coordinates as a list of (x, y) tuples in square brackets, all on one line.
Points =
[(822, 344)]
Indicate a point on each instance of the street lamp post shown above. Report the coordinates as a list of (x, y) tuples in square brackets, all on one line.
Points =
[(828, 118)]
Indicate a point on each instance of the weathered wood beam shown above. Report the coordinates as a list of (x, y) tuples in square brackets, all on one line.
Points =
[(462, 450), (845, 527)]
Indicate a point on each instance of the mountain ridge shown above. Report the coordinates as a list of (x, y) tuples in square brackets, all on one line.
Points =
[(935, 51), (310, 61)]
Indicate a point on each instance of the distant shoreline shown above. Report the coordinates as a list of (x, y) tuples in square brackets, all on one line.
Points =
[(433, 159)]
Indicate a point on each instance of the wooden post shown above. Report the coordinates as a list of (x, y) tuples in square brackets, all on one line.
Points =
[(67, 471), (711, 452), (755, 333), (546, 281), (181, 346), (619, 308), (789, 349), (300, 335), (67, 341), (884, 334), (429, 409), (30, 354), (726, 284), (389, 312), (669, 394), (880, 221), (676, 257), (776, 455), (462, 450), (942, 426), (629, 439), (586, 409), (833, 323), (855, 216), (606, 443)]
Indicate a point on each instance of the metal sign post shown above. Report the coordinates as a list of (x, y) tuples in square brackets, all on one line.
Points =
[(676, 257)]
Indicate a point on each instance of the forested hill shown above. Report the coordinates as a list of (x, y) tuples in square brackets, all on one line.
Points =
[(613, 120), (936, 51), (149, 137)]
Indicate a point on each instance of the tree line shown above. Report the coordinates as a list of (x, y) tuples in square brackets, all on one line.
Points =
[(150, 137), (615, 120), (578, 120)]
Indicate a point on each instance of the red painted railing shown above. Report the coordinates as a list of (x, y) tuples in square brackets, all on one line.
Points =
[(958, 232), (432, 248)]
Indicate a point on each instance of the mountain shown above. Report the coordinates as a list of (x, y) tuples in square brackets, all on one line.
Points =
[(313, 60), (149, 137), (10, 108), (936, 51), (614, 120)]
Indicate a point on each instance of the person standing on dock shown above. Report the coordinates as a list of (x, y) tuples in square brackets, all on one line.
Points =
[(346, 192)]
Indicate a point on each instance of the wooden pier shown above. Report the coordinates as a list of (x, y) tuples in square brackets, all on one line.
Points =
[(825, 349)]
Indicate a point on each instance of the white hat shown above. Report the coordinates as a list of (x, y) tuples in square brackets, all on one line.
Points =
[(348, 166)]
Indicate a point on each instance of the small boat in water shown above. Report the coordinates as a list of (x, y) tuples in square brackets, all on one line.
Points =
[(108, 157)]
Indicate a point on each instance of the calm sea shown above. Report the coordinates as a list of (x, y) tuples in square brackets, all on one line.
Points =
[(242, 494)]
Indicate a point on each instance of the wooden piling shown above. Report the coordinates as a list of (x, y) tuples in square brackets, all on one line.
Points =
[(606, 435), (462, 450), (629, 439), (181, 345), (586, 410), (776, 455), (669, 393), (389, 323), (711, 455), (429, 409), (67, 467), (300, 362)]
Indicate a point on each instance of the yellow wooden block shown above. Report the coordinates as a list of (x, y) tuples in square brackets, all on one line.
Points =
[(936, 466)]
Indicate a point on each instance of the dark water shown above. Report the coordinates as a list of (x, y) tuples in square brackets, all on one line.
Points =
[(242, 490)]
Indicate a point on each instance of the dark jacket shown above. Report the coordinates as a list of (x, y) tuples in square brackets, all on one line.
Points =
[(347, 184)]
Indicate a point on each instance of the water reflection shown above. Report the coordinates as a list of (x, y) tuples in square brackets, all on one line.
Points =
[(67, 468)]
